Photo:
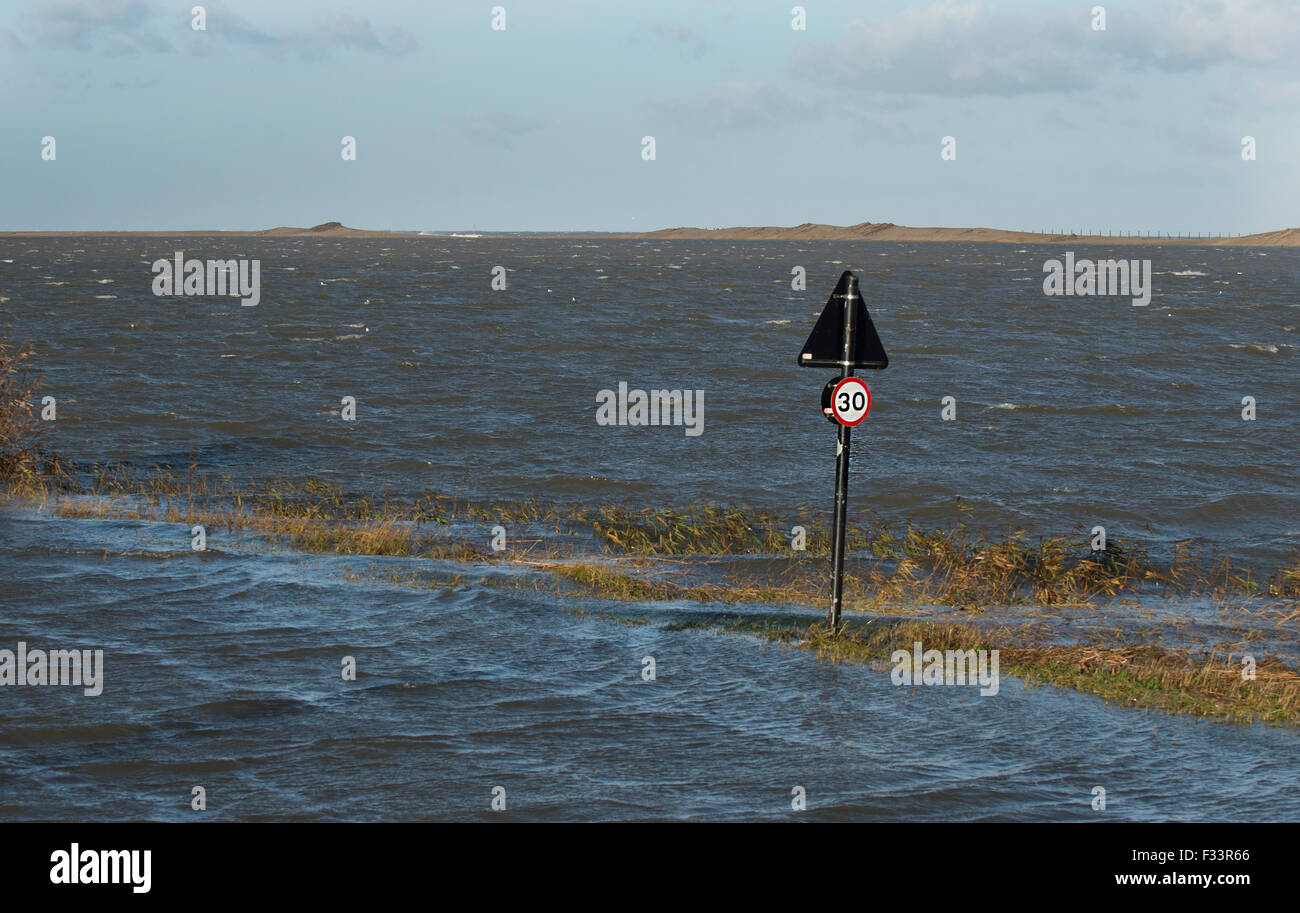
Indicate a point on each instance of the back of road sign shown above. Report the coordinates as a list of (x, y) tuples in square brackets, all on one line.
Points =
[(825, 347)]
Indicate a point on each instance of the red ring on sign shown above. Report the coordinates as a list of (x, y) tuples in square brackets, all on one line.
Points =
[(856, 381)]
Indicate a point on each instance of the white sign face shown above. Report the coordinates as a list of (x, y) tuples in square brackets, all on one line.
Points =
[(851, 401)]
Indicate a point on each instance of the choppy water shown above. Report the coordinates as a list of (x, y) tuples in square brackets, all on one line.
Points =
[(222, 668)]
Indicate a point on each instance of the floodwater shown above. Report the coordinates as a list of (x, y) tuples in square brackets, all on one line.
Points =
[(222, 668)]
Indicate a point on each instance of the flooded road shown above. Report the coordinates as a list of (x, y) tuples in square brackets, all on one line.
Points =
[(222, 668)]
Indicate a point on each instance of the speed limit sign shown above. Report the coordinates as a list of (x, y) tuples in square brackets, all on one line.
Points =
[(850, 401)]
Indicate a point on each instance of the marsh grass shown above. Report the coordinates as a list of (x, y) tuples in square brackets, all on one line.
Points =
[(595, 579), (21, 465), (379, 537), (962, 566), (698, 529)]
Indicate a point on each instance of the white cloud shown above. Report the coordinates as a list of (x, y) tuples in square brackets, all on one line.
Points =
[(955, 48), (1200, 33), (967, 47)]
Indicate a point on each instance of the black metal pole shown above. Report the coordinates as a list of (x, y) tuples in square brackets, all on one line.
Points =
[(841, 507), (842, 463)]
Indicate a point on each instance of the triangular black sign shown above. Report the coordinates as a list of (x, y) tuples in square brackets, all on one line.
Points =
[(825, 347)]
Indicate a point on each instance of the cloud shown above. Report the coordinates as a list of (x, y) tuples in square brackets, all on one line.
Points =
[(955, 48), (499, 129), (966, 47), (1204, 33), (675, 33), (333, 33), (351, 33), (112, 27), (115, 27), (743, 105), (1272, 92)]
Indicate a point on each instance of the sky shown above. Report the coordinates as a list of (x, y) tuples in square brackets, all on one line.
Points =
[(539, 126)]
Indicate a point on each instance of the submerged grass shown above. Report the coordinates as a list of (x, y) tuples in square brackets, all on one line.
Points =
[(1181, 681), (594, 579), (961, 567), (20, 426)]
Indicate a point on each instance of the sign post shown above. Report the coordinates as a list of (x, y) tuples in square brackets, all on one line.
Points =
[(844, 337)]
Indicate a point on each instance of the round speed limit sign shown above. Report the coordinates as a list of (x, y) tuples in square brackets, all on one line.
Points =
[(851, 401)]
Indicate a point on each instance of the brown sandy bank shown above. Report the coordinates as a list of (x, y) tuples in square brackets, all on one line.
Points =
[(808, 231)]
